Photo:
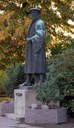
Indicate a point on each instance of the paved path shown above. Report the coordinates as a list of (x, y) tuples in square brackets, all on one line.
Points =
[(7, 123), (10, 123)]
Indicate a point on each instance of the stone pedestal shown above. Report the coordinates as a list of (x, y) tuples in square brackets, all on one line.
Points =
[(46, 116), (23, 99)]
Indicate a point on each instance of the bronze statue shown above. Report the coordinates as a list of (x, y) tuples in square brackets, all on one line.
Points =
[(35, 65)]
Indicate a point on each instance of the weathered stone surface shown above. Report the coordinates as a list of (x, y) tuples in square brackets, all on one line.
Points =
[(10, 123), (45, 116), (6, 107), (7, 123), (23, 99), (15, 116)]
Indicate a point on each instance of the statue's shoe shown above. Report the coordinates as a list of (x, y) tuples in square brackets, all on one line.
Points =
[(39, 83), (25, 85)]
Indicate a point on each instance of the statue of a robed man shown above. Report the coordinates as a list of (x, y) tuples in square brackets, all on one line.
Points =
[(35, 65)]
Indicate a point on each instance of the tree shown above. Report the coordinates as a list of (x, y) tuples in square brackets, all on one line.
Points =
[(58, 17)]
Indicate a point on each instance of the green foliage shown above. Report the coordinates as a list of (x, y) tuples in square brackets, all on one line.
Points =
[(47, 92), (60, 76), (61, 69), (58, 48), (72, 106), (68, 102), (15, 77), (3, 77)]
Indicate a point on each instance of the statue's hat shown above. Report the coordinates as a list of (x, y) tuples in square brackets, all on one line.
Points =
[(35, 9)]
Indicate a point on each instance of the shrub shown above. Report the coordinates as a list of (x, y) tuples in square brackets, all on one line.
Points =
[(47, 92), (15, 77), (58, 48), (60, 76), (3, 77), (61, 71)]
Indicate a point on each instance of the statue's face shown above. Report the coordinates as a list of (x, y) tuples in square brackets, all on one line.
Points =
[(34, 14)]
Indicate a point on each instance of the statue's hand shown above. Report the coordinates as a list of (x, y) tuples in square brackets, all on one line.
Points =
[(28, 39)]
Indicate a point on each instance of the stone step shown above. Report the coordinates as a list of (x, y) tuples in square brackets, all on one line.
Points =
[(15, 117)]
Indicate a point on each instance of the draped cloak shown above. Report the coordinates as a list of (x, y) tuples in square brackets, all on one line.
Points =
[(35, 49)]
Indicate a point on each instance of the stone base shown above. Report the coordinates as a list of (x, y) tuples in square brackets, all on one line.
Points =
[(6, 107), (23, 98), (46, 116), (15, 116)]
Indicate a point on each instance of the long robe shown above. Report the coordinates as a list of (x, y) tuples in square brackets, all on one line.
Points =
[(35, 49)]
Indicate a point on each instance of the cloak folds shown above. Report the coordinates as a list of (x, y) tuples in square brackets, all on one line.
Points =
[(35, 48)]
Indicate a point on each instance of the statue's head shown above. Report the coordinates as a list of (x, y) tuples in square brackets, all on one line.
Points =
[(35, 12)]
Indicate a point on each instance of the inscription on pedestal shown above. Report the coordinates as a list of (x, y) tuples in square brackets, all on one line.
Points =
[(18, 94)]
